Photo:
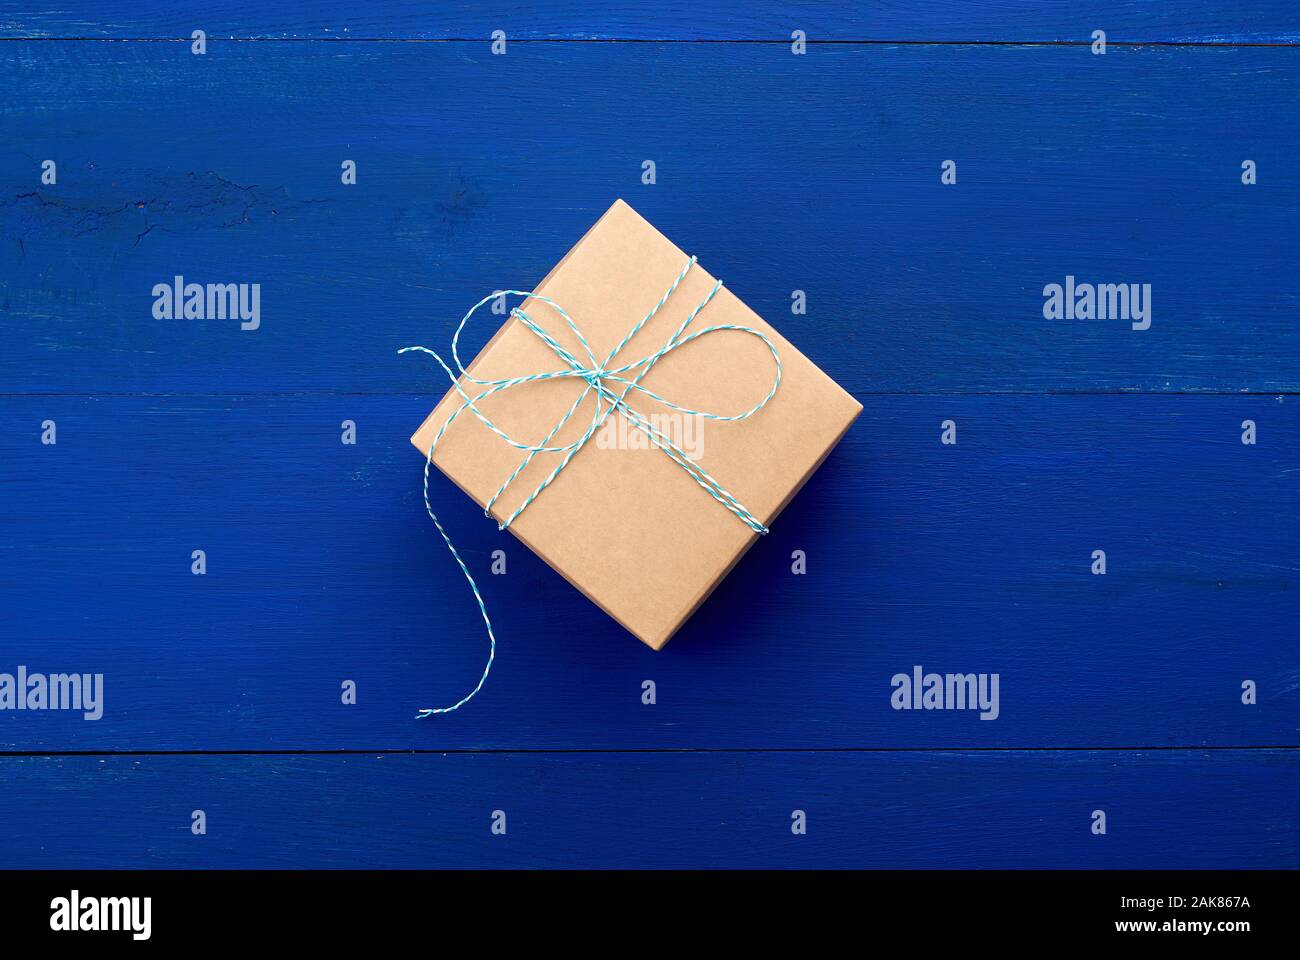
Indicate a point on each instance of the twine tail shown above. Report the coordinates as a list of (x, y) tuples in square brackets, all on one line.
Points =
[(492, 640)]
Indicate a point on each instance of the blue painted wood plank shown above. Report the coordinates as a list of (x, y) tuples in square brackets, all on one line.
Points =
[(322, 567), (818, 173), (1222, 810), (991, 20)]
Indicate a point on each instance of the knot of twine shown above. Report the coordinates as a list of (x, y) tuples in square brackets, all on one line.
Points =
[(610, 386)]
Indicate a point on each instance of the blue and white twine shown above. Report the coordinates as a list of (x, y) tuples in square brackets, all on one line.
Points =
[(598, 378)]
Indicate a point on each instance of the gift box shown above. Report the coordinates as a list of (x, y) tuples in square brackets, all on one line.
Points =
[(625, 520)]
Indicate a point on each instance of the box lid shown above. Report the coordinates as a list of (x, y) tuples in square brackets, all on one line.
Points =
[(627, 526)]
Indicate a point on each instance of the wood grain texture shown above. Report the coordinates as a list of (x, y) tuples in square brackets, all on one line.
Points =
[(988, 20), (946, 810), (815, 173), (322, 567)]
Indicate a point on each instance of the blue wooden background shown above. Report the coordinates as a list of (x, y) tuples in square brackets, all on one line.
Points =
[(818, 173)]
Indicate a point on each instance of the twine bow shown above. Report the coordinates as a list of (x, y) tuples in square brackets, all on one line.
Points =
[(611, 386)]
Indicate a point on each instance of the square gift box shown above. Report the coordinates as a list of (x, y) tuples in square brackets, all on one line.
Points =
[(623, 522)]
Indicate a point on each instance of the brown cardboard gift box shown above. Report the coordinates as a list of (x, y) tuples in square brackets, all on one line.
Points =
[(622, 522)]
